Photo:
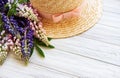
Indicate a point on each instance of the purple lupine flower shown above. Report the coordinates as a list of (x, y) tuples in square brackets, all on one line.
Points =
[(22, 22), (27, 43), (30, 38), (9, 27), (16, 25), (7, 24), (2, 3)]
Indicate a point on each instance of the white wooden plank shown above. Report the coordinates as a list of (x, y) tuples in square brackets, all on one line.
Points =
[(77, 65), (105, 34), (108, 8), (111, 10), (112, 3), (91, 49), (89, 55), (15, 69), (110, 15), (110, 19)]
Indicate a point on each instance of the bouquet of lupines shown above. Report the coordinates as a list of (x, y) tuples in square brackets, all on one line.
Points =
[(20, 30)]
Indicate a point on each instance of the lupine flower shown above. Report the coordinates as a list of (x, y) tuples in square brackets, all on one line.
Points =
[(9, 27), (5, 45), (3, 54), (19, 30), (16, 25), (39, 32), (10, 1), (22, 23), (2, 3), (5, 1), (27, 44), (23, 50), (30, 13), (27, 12), (22, 47), (17, 48)]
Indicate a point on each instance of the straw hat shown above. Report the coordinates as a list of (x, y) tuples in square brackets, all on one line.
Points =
[(90, 12)]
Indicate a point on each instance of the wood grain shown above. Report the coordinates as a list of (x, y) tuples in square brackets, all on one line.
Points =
[(93, 54)]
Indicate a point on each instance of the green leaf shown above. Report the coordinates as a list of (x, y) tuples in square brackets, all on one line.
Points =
[(12, 10), (32, 51), (0, 19), (1, 24), (51, 46), (49, 39), (37, 41), (1, 28), (39, 50), (23, 1), (26, 62), (6, 5)]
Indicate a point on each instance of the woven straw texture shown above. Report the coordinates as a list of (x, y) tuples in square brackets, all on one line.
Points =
[(55, 6), (90, 14)]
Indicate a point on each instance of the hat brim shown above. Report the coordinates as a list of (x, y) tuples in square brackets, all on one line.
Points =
[(89, 16)]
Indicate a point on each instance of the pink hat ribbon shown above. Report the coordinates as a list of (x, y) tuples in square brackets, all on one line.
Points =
[(58, 17)]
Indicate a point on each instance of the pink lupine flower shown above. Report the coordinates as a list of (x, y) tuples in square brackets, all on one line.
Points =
[(39, 32)]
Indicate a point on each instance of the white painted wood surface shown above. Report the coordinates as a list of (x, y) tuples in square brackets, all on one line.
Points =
[(94, 54)]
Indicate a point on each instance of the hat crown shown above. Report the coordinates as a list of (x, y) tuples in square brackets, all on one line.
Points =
[(55, 6)]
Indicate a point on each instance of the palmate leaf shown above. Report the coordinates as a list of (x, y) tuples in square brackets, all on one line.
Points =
[(39, 50)]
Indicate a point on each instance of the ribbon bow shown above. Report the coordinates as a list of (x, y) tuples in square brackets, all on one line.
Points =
[(58, 17)]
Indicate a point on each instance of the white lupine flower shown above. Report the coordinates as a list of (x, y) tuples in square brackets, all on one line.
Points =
[(17, 49), (17, 52), (3, 32), (27, 12), (10, 1), (3, 54), (4, 46)]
